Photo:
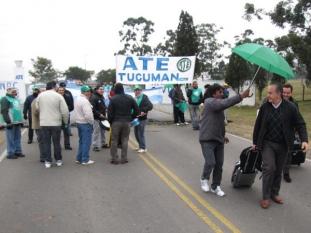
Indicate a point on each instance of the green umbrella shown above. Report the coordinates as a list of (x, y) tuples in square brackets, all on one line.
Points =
[(265, 58)]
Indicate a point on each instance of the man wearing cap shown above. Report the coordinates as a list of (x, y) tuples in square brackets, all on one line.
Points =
[(70, 103), (99, 111), (145, 106), (212, 136), (85, 121), (121, 110), (53, 113), (27, 111), (12, 116), (195, 98)]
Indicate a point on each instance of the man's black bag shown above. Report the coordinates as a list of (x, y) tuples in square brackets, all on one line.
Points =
[(298, 156), (246, 168)]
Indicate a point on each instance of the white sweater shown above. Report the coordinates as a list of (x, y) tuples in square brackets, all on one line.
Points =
[(52, 108), (83, 110)]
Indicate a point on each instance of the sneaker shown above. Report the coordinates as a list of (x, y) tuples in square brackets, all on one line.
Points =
[(59, 163), (88, 162), (21, 155), (178, 124), (287, 178), (48, 164), (218, 191), (204, 185), (96, 149), (105, 145), (77, 162), (186, 123), (68, 148), (136, 149), (142, 151), (11, 157)]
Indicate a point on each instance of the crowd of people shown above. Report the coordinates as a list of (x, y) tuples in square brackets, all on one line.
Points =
[(48, 112)]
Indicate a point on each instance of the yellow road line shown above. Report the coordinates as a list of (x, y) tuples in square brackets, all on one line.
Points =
[(201, 200), (183, 197)]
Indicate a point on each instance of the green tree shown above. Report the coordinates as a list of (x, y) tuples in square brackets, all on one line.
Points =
[(106, 76), (78, 73), (135, 36), (166, 48), (43, 70), (237, 72), (295, 15), (209, 54), (187, 42)]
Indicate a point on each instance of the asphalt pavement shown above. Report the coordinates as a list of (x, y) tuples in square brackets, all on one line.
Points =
[(155, 192)]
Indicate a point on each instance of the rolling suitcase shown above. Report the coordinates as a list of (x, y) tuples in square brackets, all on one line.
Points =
[(245, 170), (298, 156)]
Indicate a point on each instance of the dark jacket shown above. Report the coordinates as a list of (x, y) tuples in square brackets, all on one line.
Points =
[(178, 96), (120, 108), (291, 121), (27, 105), (5, 107), (145, 106), (69, 100), (99, 107), (189, 94)]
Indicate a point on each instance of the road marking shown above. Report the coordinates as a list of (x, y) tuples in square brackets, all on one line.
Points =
[(196, 196), (182, 196), (3, 155)]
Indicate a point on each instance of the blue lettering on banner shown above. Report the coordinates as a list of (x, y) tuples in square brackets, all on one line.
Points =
[(162, 63), (155, 78), (2, 86), (146, 79), (165, 78), (129, 63), (138, 77), (145, 61), (19, 77), (121, 76)]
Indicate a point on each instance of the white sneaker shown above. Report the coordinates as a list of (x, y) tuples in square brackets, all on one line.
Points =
[(47, 164), (136, 149), (142, 151), (218, 191), (186, 123), (178, 124), (59, 163), (204, 185), (88, 162)]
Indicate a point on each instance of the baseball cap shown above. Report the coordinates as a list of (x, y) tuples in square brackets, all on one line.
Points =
[(85, 88)]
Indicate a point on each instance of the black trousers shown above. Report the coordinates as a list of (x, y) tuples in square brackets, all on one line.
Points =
[(30, 130), (179, 116), (51, 134), (274, 156)]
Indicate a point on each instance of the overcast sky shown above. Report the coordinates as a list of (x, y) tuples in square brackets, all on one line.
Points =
[(84, 33)]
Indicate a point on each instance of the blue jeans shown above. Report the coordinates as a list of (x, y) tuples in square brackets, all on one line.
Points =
[(13, 140), (85, 140), (139, 131)]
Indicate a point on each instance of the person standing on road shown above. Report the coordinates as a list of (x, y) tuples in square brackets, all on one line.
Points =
[(65, 126), (85, 121), (53, 113), (70, 103), (195, 98), (145, 106), (27, 111), (12, 116), (273, 135), (212, 135), (35, 124), (288, 95), (121, 110), (99, 111), (178, 97)]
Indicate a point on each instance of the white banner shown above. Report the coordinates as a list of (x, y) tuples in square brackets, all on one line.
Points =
[(20, 86), (154, 70)]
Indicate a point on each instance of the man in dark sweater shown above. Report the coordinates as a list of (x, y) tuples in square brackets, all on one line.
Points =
[(121, 110), (273, 135), (27, 111), (212, 135), (145, 106)]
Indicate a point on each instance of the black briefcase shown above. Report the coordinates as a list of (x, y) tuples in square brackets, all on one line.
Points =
[(298, 156)]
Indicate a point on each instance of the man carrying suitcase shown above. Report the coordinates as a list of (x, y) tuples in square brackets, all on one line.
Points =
[(274, 133), (212, 135), (287, 95)]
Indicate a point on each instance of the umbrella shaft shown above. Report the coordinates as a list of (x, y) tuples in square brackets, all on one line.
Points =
[(254, 77)]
